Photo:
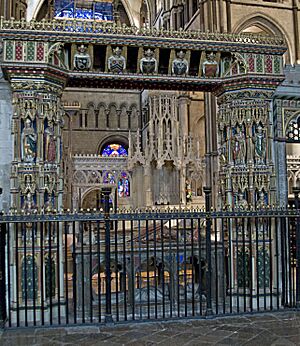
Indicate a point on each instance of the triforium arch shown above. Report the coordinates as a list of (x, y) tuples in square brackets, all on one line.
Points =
[(261, 23)]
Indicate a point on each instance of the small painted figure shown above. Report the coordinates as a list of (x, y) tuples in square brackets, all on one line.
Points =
[(260, 145), (239, 147), (28, 203), (116, 63), (50, 144), (210, 66), (180, 65), (261, 202), (28, 142), (48, 205), (148, 63), (121, 190), (29, 184), (242, 204), (82, 60), (189, 192)]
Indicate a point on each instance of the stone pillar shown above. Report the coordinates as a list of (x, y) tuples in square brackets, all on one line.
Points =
[(183, 103), (6, 145), (246, 147), (148, 185), (211, 145), (37, 180), (83, 281), (36, 175), (280, 154), (247, 179)]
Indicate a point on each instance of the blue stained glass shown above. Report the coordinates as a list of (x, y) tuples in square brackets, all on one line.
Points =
[(109, 178), (114, 150), (96, 10), (123, 186)]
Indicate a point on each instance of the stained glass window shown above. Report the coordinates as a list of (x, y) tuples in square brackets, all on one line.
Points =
[(114, 150), (109, 178), (88, 9), (123, 185)]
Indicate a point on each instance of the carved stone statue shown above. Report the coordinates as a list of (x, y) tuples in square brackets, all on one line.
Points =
[(239, 147), (148, 63), (50, 143), (261, 203), (189, 192), (241, 203), (28, 203), (28, 142), (180, 65), (82, 60), (48, 205), (29, 184), (116, 63), (210, 67), (260, 145)]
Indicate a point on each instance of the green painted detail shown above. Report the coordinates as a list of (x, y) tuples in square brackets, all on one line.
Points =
[(259, 63), (243, 268), (277, 64), (263, 262), (9, 53), (227, 65), (30, 51), (50, 277), (29, 281)]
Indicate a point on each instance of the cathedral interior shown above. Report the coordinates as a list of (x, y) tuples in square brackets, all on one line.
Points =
[(154, 148), (163, 104)]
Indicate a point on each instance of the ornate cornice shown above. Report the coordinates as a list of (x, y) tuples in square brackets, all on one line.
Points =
[(99, 32)]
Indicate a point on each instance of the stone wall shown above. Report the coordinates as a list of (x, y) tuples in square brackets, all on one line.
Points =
[(5, 142)]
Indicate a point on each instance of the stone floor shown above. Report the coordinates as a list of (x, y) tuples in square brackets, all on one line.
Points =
[(277, 329)]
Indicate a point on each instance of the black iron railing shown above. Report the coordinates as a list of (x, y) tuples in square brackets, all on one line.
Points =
[(76, 268)]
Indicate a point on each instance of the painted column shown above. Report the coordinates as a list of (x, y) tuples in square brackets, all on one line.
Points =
[(248, 180), (37, 126)]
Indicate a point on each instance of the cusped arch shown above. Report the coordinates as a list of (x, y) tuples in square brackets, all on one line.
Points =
[(267, 24), (123, 105), (79, 177), (91, 104), (102, 105), (292, 128), (292, 118), (133, 107)]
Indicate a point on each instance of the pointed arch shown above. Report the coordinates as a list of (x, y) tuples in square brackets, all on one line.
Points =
[(267, 25), (35, 7), (129, 13)]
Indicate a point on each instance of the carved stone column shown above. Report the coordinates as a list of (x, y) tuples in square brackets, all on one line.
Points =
[(37, 180), (248, 180), (246, 148)]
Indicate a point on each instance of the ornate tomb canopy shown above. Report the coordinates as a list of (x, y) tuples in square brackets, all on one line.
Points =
[(100, 54)]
